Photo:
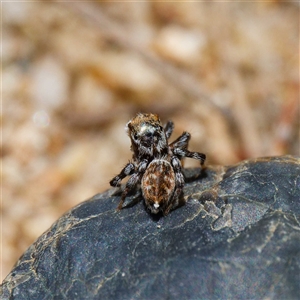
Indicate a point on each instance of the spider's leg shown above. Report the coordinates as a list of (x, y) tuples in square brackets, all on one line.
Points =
[(186, 153), (127, 170), (134, 179), (182, 141), (169, 129), (179, 184)]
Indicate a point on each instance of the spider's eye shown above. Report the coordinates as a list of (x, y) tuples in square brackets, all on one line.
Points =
[(135, 136)]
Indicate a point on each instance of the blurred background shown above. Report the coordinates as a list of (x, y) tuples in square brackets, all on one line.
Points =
[(73, 74)]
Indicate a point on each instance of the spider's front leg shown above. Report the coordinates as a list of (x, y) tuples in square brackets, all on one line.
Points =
[(169, 129), (195, 155), (180, 145), (127, 170), (134, 179), (181, 142)]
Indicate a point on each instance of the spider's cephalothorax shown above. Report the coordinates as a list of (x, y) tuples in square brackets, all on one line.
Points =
[(156, 165)]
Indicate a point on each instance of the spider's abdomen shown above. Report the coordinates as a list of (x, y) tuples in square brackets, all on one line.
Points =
[(158, 185)]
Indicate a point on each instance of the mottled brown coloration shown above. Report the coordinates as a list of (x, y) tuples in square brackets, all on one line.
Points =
[(136, 123), (158, 184), (156, 165)]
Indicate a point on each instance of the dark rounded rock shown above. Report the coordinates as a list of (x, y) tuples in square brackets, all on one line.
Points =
[(237, 237)]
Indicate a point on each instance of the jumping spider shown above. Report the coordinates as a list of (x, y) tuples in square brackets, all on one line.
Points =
[(156, 165)]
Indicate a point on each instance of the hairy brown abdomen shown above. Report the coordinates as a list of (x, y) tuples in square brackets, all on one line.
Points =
[(158, 184)]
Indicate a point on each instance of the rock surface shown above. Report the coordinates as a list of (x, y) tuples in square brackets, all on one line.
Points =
[(237, 237)]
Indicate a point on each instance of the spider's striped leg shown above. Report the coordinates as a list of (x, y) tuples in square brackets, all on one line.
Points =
[(169, 129), (127, 170), (186, 153), (179, 184), (182, 141), (134, 179)]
